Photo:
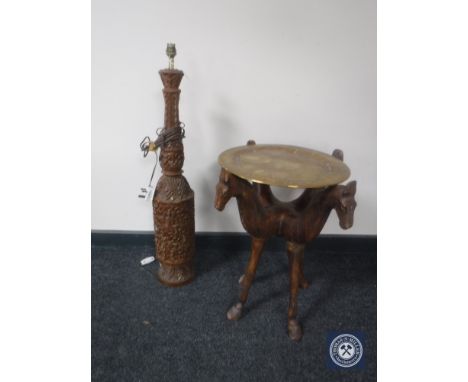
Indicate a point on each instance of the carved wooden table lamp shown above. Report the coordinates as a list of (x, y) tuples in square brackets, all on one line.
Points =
[(173, 201), (247, 173)]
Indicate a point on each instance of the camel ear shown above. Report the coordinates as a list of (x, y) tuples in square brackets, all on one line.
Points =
[(338, 154), (251, 142), (225, 176), (351, 187)]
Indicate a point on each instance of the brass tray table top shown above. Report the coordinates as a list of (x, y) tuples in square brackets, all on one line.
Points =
[(284, 166)]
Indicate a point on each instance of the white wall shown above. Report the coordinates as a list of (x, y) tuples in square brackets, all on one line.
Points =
[(297, 72)]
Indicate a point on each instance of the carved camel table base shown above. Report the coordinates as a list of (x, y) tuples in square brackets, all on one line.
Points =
[(298, 221)]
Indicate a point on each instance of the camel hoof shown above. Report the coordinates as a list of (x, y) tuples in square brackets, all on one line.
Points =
[(304, 284), (294, 330), (235, 312)]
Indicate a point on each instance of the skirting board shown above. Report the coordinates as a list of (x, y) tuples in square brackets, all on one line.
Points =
[(240, 241)]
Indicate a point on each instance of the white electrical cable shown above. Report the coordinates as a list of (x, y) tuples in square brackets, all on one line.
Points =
[(147, 260)]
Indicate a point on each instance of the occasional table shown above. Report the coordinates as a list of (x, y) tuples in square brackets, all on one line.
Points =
[(247, 172)]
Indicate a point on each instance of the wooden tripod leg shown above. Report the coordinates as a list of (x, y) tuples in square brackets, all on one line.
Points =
[(295, 251), (235, 312), (303, 283)]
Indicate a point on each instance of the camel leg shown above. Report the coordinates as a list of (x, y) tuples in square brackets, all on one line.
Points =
[(235, 312), (303, 283), (295, 251)]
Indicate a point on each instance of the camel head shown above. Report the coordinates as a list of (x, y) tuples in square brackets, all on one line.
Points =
[(225, 189), (344, 203)]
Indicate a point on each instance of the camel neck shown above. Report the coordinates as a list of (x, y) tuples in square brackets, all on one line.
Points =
[(248, 201), (321, 206), (249, 206)]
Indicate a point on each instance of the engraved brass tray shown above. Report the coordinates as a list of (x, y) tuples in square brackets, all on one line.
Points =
[(284, 166)]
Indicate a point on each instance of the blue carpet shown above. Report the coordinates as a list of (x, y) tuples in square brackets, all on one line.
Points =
[(143, 331)]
